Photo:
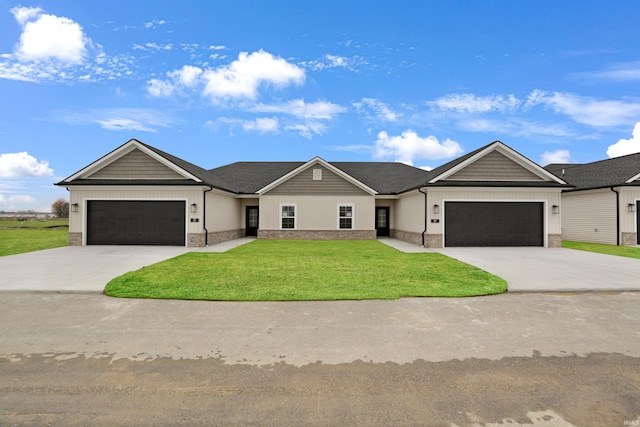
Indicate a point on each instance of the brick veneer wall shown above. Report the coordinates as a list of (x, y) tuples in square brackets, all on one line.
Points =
[(554, 240), (224, 236), (75, 239), (629, 239), (407, 236), (195, 240), (317, 234)]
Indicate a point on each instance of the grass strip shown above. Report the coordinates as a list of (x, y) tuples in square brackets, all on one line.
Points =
[(275, 270), (625, 251)]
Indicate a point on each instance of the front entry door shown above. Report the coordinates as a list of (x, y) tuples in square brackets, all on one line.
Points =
[(382, 221), (252, 221)]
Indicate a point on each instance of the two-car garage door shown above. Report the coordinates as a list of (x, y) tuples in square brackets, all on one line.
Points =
[(494, 224), (136, 222)]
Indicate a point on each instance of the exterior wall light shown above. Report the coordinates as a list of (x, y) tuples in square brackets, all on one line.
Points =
[(74, 207), (555, 209), (631, 207), (193, 208), (436, 209)]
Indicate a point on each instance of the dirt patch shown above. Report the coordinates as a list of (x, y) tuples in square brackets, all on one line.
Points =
[(63, 389)]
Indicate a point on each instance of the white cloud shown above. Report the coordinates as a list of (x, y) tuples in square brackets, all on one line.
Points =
[(334, 61), (557, 156), (242, 78), (24, 199), (587, 110), (124, 124), (320, 110), (16, 202), (56, 49), (262, 124), (23, 165), (469, 103), (118, 119), (356, 148), (24, 14), (46, 37), (160, 88), (626, 146), (308, 129), (379, 110), (152, 46), (154, 23), (620, 73), (186, 76), (409, 147)]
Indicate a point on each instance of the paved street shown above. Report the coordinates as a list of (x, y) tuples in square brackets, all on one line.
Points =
[(546, 359)]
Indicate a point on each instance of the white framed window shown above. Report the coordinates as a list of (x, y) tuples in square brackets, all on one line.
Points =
[(288, 216), (345, 217)]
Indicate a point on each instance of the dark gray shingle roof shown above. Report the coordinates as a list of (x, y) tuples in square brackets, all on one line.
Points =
[(604, 173), (384, 177)]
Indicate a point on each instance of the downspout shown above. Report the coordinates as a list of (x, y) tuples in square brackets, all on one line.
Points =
[(425, 215), (617, 216), (204, 216)]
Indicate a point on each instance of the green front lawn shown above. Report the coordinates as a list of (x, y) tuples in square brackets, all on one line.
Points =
[(627, 251), (32, 236), (276, 270)]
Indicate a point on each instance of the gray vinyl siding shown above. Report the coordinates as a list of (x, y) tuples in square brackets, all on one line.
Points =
[(304, 184), (494, 166), (136, 164), (589, 216)]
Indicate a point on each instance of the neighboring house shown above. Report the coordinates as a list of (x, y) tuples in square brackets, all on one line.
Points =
[(138, 194), (604, 205)]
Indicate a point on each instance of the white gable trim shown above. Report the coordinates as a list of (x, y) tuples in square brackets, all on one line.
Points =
[(509, 153), (124, 149), (314, 162), (633, 178)]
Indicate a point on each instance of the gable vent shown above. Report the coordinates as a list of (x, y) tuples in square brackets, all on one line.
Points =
[(317, 174)]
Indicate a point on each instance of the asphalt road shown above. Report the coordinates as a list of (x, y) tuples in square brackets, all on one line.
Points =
[(536, 359)]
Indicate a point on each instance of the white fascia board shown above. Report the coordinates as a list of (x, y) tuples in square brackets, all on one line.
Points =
[(120, 152), (509, 153), (325, 164), (633, 178)]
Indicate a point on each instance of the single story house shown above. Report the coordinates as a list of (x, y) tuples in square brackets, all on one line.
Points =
[(604, 205), (138, 194)]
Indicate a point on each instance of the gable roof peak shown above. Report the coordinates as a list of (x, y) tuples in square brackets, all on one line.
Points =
[(445, 171), (325, 164)]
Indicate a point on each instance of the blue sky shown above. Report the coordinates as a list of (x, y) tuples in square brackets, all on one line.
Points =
[(215, 82)]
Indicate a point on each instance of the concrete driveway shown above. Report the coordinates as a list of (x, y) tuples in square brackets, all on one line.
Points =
[(556, 269), (86, 268)]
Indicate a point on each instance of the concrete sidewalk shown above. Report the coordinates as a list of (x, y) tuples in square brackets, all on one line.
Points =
[(86, 268), (403, 246)]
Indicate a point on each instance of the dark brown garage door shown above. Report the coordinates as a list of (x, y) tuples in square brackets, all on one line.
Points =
[(494, 224), (126, 222)]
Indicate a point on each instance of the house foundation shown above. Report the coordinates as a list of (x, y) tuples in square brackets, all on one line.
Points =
[(554, 240), (317, 234), (75, 239), (223, 236), (629, 239)]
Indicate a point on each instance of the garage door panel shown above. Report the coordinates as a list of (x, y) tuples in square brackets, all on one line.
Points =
[(494, 224), (127, 222)]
